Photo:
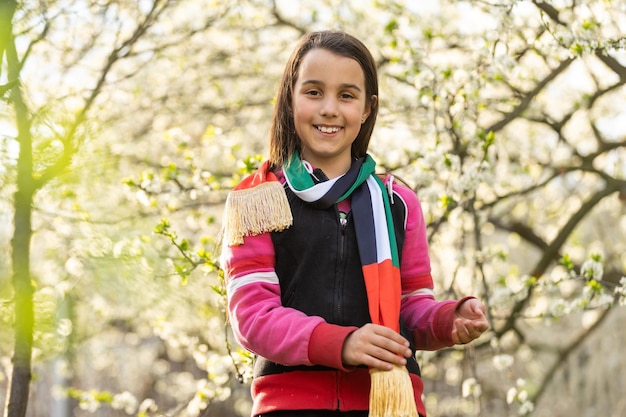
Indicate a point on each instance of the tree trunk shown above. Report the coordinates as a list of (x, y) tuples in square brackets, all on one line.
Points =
[(19, 387), (24, 314)]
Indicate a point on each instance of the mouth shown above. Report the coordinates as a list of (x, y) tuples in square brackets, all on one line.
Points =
[(328, 129)]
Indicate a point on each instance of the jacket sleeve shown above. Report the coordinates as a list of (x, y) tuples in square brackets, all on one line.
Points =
[(259, 321), (430, 321)]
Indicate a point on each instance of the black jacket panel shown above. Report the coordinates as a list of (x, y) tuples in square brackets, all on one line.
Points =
[(320, 273)]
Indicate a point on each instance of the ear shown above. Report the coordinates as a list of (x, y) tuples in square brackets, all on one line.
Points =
[(371, 104)]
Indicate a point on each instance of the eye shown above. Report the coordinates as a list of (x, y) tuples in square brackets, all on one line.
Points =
[(313, 93), (347, 96)]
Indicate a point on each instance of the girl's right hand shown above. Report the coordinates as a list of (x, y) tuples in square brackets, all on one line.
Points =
[(375, 346)]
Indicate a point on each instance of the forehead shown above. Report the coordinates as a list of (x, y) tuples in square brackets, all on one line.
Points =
[(327, 67)]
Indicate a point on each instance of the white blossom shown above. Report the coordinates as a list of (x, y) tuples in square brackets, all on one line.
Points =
[(88, 402), (502, 362), (148, 405), (560, 308), (511, 395), (620, 291), (526, 408), (64, 327), (592, 269), (471, 387), (125, 401)]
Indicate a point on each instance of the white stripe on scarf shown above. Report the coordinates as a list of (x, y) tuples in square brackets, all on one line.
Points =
[(313, 193), (383, 247)]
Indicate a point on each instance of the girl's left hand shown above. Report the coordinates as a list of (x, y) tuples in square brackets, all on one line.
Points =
[(470, 321)]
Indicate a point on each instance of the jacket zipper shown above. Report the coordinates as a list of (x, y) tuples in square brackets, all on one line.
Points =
[(343, 224)]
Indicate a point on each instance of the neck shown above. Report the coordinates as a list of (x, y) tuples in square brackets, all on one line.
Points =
[(332, 169), (332, 172)]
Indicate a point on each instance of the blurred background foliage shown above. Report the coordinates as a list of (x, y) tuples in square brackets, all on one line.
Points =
[(508, 118)]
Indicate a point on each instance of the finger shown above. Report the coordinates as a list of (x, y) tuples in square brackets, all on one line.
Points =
[(372, 362), (482, 325), (375, 346), (463, 332), (480, 310), (472, 309), (391, 341), (469, 330), (388, 350), (382, 357), (390, 334), (455, 337), (375, 357)]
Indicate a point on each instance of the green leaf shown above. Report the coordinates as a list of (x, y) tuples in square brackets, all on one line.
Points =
[(595, 286), (162, 227), (490, 139), (103, 396), (531, 281), (566, 261), (391, 26), (577, 49), (171, 171), (447, 202)]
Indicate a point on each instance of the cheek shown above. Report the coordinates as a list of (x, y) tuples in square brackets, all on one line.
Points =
[(358, 113), (302, 107)]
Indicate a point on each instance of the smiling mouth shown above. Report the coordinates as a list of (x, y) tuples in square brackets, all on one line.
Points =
[(327, 129)]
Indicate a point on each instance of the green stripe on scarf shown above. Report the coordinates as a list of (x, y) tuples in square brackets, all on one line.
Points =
[(300, 179)]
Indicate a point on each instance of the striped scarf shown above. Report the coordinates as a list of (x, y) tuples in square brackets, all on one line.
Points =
[(373, 223)]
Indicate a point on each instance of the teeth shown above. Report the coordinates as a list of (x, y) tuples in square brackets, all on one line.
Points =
[(325, 129)]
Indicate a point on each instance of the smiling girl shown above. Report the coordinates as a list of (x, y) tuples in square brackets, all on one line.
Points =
[(326, 263)]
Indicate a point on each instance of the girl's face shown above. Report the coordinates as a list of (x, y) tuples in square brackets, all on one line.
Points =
[(329, 106)]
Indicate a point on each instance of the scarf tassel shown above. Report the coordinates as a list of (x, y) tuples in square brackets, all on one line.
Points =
[(391, 393), (252, 211)]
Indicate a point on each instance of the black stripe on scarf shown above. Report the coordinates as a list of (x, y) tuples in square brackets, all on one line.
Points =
[(363, 216), (340, 187)]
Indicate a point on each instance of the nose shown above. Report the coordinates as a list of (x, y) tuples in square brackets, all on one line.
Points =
[(329, 107)]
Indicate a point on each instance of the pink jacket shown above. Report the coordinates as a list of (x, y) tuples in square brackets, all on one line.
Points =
[(289, 337)]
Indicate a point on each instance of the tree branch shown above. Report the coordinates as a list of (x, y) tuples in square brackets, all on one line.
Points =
[(551, 252), (122, 51), (529, 97), (7, 11), (549, 10), (613, 64), (549, 375), (281, 20)]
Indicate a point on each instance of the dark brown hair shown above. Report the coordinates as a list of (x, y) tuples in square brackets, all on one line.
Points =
[(283, 138)]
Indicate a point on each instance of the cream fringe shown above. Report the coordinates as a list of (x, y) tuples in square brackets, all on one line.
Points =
[(252, 211), (391, 393)]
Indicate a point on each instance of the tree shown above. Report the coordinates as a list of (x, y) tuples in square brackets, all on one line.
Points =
[(504, 116), (48, 140), (21, 237), (505, 161), (509, 156)]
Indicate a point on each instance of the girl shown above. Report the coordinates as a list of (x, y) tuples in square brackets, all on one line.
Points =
[(327, 269)]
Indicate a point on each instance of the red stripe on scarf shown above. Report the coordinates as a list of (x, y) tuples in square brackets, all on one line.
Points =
[(382, 281)]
